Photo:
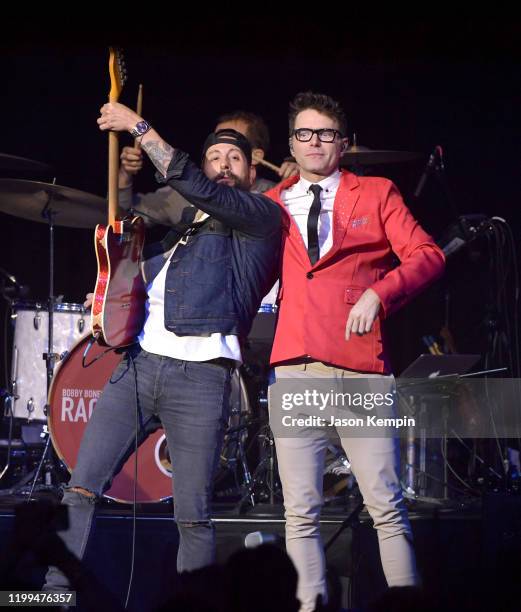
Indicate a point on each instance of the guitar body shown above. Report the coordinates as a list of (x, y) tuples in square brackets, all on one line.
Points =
[(118, 308)]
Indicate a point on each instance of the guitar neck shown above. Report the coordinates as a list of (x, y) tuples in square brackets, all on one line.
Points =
[(118, 77), (113, 177)]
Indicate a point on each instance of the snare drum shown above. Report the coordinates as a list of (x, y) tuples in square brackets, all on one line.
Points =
[(28, 369)]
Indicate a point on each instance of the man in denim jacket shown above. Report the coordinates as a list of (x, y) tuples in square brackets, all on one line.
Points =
[(205, 281)]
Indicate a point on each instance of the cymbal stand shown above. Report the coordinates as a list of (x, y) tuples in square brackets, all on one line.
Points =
[(50, 357)]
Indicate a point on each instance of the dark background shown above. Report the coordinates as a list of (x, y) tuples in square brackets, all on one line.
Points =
[(405, 85)]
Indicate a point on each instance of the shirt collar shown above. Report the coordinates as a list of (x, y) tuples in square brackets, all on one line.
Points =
[(329, 183)]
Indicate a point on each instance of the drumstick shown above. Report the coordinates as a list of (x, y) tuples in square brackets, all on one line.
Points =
[(139, 110), (266, 163)]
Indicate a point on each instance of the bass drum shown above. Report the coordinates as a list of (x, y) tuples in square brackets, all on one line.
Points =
[(72, 399)]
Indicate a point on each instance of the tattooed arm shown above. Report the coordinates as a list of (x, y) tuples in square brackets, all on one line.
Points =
[(117, 117), (249, 213), (159, 151)]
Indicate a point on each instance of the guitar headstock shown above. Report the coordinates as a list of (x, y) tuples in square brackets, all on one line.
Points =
[(118, 73)]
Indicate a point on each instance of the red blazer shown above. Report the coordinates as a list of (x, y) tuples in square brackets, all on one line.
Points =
[(370, 222)]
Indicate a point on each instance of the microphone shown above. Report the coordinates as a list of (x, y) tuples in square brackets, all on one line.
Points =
[(435, 162), (257, 538)]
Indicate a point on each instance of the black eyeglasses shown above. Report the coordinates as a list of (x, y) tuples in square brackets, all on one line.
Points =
[(324, 134)]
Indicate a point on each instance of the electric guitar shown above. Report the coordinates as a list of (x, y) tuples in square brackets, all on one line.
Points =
[(118, 308)]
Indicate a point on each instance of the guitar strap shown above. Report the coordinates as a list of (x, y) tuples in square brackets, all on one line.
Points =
[(176, 241)]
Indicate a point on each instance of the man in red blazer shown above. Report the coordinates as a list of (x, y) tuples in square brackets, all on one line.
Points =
[(338, 282)]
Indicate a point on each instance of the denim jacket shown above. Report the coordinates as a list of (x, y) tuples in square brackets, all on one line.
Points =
[(216, 281)]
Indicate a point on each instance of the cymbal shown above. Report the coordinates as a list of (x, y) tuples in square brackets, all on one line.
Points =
[(13, 162), (357, 155), (71, 207)]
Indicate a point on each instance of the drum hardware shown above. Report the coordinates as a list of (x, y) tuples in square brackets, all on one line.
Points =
[(338, 481), (8, 411), (56, 202), (13, 162), (263, 484), (34, 200), (24, 486), (9, 395), (360, 160), (233, 455), (48, 213), (55, 356), (54, 205), (238, 458), (358, 155), (81, 327), (30, 406), (26, 451)]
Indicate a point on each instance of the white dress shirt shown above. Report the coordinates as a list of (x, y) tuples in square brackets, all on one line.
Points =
[(297, 201)]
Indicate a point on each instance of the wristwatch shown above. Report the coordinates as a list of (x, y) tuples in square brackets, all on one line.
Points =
[(141, 128)]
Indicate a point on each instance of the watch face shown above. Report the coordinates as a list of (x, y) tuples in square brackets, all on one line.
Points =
[(142, 127)]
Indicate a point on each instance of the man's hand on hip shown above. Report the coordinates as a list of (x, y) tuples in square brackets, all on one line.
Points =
[(362, 315)]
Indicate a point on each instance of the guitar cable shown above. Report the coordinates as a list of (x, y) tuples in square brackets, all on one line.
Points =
[(91, 343)]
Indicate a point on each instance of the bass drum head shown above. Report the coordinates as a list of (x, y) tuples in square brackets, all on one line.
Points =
[(72, 398)]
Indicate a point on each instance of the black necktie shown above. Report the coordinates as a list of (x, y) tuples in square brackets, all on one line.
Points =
[(314, 213)]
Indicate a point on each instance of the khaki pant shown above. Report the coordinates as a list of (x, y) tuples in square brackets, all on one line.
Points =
[(375, 463)]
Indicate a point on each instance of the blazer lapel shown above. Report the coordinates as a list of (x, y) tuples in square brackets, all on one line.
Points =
[(343, 207)]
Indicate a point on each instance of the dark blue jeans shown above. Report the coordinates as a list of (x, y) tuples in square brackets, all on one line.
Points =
[(190, 399)]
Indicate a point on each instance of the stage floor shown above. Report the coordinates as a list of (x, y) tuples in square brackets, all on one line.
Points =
[(460, 549)]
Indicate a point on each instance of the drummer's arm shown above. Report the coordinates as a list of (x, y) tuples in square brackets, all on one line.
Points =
[(164, 206), (131, 163)]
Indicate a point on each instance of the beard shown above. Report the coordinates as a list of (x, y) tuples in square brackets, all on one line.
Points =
[(240, 183)]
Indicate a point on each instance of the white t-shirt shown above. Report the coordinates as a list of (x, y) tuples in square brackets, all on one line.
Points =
[(155, 338)]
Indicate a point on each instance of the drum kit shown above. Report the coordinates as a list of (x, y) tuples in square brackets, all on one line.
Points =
[(49, 385)]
